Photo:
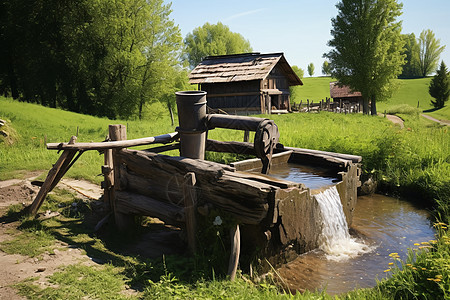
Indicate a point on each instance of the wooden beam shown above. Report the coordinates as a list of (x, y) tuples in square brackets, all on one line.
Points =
[(124, 222), (134, 204), (234, 94), (160, 139), (50, 181)]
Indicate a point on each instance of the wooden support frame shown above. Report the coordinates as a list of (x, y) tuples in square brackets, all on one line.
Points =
[(55, 174), (235, 251)]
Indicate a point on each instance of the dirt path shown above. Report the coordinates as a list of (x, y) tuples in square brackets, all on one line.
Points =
[(14, 267), (444, 122), (396, 120)]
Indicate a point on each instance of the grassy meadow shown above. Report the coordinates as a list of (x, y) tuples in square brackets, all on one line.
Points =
[(413, 162), (411, 92)]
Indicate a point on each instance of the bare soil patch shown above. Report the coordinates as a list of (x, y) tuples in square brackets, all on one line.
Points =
[(155, 240)]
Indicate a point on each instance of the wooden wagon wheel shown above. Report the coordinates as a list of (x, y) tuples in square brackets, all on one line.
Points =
[(266, 138)]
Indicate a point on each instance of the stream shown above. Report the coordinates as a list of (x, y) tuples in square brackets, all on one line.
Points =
[(386, 225)]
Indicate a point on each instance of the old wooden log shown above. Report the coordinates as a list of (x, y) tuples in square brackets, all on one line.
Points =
[(247, 148), (190, 208), (160, 139), (124, 222), (160, 149), (233, 122), (230, 147), (244, 195), (134, 204)]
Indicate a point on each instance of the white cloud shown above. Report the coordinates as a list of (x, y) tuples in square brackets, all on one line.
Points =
[(250, 12)]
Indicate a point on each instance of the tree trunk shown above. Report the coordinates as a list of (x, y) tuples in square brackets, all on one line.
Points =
[(169, 105), (365, 106), (373, 106)]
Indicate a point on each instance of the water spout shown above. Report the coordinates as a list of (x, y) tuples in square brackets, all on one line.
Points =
[(335, 239)]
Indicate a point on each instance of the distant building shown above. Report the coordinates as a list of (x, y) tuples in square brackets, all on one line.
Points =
[(246, 83), (344, 94)]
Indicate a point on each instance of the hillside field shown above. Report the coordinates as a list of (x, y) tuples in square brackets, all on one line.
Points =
[(413, 92)]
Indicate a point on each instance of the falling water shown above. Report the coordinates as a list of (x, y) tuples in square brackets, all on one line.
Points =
[(335, 240)]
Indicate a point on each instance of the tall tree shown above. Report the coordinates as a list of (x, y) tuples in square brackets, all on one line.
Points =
[(367, 48), (106, 58), (213, 39), (430, 50), (411, 66), (311, 69), (326, 68), (439, 87), (294, 90)]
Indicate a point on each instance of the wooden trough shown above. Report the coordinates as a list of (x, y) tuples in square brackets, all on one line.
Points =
[(272, 214)]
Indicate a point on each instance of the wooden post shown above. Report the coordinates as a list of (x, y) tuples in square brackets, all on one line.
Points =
[(54, 175), (246, 136), (235, 251), (118, 132), (108, 173), (190, 207)]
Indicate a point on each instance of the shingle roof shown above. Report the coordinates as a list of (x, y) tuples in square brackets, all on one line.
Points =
[(241, 67), (344, 91)]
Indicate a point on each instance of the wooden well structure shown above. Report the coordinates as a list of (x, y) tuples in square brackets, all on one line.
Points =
[(270, 213)]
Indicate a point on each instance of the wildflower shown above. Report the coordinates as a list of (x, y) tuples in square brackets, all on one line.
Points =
[(217, 221), (409, 265), (391, 263), (425, 243), (438, 276), (416, 244), (414, 268), (430, 279), (424, 269), (433, 241), (388, 270), (437, 280)]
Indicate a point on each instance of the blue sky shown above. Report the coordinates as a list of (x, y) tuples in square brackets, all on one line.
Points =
[(300, 28)]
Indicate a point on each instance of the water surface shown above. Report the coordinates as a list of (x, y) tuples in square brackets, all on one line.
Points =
[(387, 224)]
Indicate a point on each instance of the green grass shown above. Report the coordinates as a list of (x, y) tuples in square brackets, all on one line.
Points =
[(79, 282), (414, 160), (411, 92), (36, 125), (313, 88)]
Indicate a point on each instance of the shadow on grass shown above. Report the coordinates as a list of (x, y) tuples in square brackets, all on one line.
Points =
[(129, 251)]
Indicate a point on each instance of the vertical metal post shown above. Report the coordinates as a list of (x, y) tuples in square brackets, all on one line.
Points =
[(192, 117)]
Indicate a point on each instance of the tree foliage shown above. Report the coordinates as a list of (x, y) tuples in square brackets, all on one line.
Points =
[(439, 87), (107, 58), (213, 39), (293, 90), (430, 50), (326, 68), (311, 69), (367, 47), (411, 66)]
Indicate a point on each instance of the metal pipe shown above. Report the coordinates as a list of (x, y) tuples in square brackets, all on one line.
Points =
[(192, 117), (233, 122)]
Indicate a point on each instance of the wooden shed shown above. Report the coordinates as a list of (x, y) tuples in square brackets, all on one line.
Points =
[(246, 83), (344, 93)]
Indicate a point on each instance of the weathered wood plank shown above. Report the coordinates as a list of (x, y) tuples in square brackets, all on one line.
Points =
[(246, 196), (63, 160), (130, 203), (160, 139)]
